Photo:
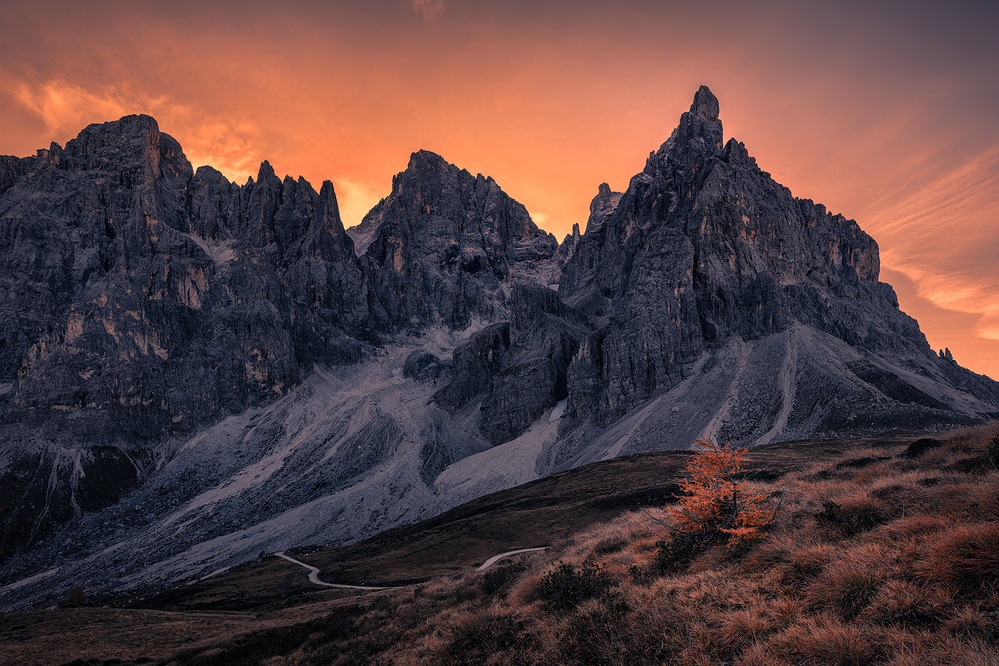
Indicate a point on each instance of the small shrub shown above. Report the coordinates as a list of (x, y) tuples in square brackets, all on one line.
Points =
[(675, 555), (851, 519), (480, 638), (641, 575), (608, 546), (921, 446), (565, 588)]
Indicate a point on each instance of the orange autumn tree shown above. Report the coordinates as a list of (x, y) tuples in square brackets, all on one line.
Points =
[(717, 501)]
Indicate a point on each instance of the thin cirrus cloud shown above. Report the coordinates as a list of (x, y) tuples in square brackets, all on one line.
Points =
[(941, 231)]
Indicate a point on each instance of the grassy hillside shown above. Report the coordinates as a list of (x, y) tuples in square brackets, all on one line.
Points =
[(883, 552)]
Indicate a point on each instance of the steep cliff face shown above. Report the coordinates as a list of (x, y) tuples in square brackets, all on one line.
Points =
[(449, 246)]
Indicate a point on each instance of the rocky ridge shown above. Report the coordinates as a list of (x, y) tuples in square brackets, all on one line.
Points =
[(196, 371)]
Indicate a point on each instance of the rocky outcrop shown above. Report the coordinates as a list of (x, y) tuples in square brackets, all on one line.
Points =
[(448, 245), (704, 247), (143, 301), (567, 248), (424, 366), (475, 363), (544, 334), (517, 370)]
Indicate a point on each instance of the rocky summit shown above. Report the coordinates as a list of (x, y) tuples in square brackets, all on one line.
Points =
[(193, 372)]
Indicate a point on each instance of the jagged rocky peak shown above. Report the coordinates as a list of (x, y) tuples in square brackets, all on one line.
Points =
[(704, 248), (145, 301), (446, 242), (697, 137), (567, 247), (326, 237), (131, 141)]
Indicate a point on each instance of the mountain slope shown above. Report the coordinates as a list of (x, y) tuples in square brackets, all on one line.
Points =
[(194, 372)]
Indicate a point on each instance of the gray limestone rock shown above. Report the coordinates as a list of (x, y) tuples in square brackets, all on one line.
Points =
[(518, 370), (447, 244), (475, 363), (142, 301), (704, 247), (544, 336), (423, 366)]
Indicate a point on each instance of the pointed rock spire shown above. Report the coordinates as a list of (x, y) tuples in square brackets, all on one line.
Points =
[(326, 238), (705, 104)]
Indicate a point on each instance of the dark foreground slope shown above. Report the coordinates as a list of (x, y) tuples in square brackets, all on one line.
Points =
[(884, 549)]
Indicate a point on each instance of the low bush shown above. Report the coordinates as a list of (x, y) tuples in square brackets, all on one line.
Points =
[(565, 588), (851, 519), (674, 555), (498, 579)]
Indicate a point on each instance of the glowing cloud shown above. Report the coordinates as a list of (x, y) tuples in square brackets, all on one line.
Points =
[(940, 230), (63, 106), (66, 108)]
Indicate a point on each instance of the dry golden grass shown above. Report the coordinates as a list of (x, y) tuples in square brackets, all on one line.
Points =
[(877, 556)]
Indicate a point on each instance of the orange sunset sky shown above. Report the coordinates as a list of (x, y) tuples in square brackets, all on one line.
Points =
[(885, 112)]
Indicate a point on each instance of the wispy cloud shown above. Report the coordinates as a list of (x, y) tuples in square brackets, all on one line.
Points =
[(62, 105), (941, 230), (430, 9)]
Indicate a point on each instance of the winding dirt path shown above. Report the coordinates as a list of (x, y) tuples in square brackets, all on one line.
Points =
[(314, 572), (496, 558), (314, 576)]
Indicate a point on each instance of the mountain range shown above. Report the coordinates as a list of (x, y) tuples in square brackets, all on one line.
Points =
[(194, 372)]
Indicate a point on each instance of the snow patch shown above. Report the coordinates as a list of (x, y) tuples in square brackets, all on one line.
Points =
[(28, 581), (220, 253), (558, 412)]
